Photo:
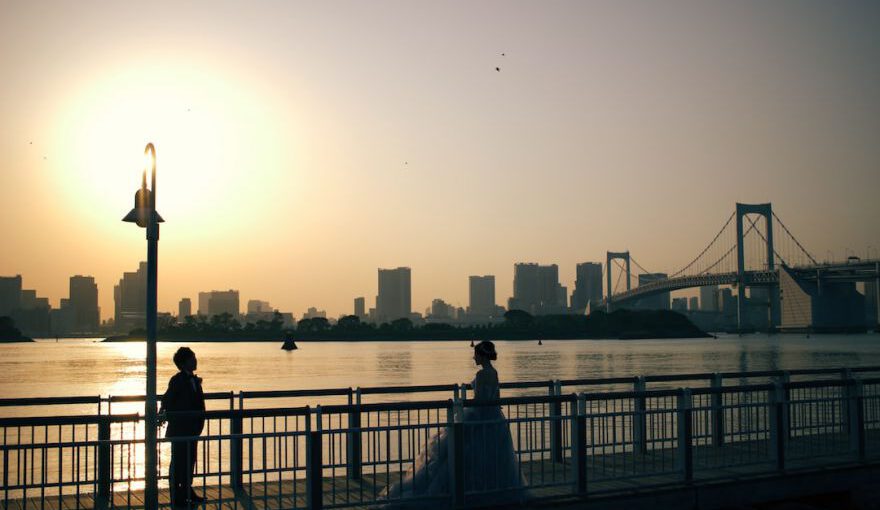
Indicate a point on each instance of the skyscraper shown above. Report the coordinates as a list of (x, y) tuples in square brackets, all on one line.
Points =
[(130, 299), (184, 309), (587, 286), (395, 294), (84, 301), (360, 309), (709, 298), (694, 304), (481, 291), (536, 289), (10, 294), (224, 301), (258, 306)]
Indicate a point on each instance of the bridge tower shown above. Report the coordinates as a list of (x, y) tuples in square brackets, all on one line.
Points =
[(766, 211), (609, 256)]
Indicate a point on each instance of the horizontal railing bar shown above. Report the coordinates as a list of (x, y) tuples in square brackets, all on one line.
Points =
[(140, 398), (87, 419), (387, 406), (295, 393), (376, 390), (679, 377), (243, 413), (598, 381), (39, 401), (440, 387)]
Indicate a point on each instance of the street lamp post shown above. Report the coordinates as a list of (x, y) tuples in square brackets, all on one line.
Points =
[(145, 216)]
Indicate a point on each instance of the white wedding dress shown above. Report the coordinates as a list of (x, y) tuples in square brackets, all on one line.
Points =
[(491, 471)]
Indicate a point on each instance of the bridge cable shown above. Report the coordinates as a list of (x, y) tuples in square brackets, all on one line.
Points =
[(688, 266), (798, 243), (638, 265), (619, 275), (728, 252), (766, 242)]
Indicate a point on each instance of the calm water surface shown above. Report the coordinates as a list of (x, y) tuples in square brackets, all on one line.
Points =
[(87, 367)]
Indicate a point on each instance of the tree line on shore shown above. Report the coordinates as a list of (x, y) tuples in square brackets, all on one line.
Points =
[(517, 325)]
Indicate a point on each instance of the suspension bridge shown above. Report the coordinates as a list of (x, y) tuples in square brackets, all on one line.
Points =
[(749, 250)]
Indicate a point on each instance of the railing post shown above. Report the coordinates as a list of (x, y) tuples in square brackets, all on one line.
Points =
[(456, 454), (236, 450), (354, 449), (105, 464), (685, 436), (579, 444), (314, 471), (845, 414), (555, 389), (778, 428), (717, 410), (640, 417), (854, 398)]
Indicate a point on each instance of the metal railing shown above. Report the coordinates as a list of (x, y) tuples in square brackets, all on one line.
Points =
[(563, 443)]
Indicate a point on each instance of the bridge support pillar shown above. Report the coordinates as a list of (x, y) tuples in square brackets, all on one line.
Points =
[(765, 210), (609, 256)]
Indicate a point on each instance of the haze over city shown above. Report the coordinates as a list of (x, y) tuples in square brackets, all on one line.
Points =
[(300, 147)]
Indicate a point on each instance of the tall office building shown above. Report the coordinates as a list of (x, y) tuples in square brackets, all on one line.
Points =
[(204, 298), (130, 299), (709, 298), (587, 286), (536, 289), (694, 303), (679, 304), (360, 307), (184, 309), (872, 304), (224, 301), (481, 292), (257, 306), (32, 315), (727, 302), (657, 301), (10, 294), (84, 301), (395, 294)]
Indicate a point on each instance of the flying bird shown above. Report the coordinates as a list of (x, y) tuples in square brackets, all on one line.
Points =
[(502, 54), (498, 69)]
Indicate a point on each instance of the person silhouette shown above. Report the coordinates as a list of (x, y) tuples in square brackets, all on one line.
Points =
[(491, 471), (184, 393)]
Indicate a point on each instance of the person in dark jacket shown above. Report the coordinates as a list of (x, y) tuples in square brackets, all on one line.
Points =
[(184, 393)]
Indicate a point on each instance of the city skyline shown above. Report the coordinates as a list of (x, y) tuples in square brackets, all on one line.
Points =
[(608, 127)]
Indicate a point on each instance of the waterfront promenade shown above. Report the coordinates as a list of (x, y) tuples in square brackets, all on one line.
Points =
[(688, 436)]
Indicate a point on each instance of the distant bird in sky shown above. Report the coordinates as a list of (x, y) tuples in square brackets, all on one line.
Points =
[(30, 143), (502, 54), (498, 69)]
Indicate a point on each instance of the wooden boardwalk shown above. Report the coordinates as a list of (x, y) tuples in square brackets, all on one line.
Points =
[(606, 474)]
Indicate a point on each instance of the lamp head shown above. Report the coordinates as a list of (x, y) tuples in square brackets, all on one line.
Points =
[(145, 199)]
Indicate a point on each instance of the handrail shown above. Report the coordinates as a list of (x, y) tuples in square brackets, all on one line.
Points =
[(375, 390), (85, 419)]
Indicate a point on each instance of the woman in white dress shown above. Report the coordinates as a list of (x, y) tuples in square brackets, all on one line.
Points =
[(491, 471)]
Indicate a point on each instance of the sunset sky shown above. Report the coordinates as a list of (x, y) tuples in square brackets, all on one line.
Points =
[(303, 145)]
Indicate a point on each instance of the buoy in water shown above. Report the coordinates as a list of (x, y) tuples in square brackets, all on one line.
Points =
[(289, 344), (540, 342), (472, 343)]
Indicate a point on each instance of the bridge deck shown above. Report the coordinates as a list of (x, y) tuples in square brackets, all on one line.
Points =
[(611, 473)]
